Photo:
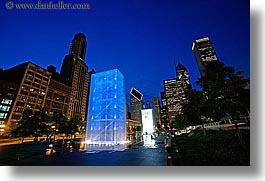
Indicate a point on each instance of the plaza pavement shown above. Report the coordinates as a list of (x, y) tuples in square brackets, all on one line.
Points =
[(34, 155)]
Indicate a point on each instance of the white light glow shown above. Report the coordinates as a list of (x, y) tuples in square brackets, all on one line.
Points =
[(147, 121)]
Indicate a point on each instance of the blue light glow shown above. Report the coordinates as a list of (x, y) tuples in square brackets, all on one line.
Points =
[(107, 110)]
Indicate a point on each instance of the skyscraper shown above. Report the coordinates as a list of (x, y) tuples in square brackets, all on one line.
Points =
[(182, 74), (164, 111), (157, 117), (107, 108), (74, 73), (78, 46), (174, 96), (171, 95), (204, 52), (136, 99)]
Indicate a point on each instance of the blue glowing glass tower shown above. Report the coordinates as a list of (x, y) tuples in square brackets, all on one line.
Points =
[(106, 122)]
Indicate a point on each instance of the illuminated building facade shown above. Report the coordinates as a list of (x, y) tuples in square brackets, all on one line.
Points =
[(34, 88), (58, 98), (157, 116), (136, 99), (33, 82), (106, 122), (175, 94), (204, 52), (74, 73), (171, 96), (8, 93), (163, 111), (148, 126), (147, 121)]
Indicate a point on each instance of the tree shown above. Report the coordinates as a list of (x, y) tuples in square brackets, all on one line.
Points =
[(226, 92), (180, 121), (31, 124), (74, 125), (42, 121), (57, 122), (192, 109)]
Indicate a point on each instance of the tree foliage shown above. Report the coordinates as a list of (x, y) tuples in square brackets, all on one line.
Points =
[(180, 121), (225, 95), (31, 124), (226, 92), (192, 109), (39, 123)]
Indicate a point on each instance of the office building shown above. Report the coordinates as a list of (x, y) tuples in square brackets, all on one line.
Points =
[(128, 113), (136, 99), (30, 87), (78, 46), (74, 73), (171, 96), (157, 115), (58, 99), (147, 105), (8, 93), (175, 95), (32, 82), (164, 111), (204, 52)]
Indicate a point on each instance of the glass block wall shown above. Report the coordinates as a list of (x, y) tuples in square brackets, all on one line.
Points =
[(106, 123)]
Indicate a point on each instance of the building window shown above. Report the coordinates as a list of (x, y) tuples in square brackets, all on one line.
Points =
[(16, 116), (4, 108), (20, 104), (6, 101), (3, 115), (18, 109)]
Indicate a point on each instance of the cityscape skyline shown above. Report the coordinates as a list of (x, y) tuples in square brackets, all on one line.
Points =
[(143, 40)]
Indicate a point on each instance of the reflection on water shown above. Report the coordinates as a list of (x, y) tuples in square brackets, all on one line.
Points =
[(60, 148), (82, 147), (101, 147), (149, 141), (50, 150)]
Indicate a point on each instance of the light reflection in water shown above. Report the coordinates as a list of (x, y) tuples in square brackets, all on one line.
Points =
[(50, 150)]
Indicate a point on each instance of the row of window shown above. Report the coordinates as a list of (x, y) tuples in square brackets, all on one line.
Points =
[(4, 108), (37, 71), (6, 101), (3, 115), (32, 94)]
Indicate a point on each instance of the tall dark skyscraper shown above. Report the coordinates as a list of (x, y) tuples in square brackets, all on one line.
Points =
[(78, 46), (204, 52), (74, 73), (157, 109), (136, 99)]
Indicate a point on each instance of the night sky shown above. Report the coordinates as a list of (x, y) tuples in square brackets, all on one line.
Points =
[(142, 38)]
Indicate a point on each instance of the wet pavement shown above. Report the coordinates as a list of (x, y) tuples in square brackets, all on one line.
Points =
[(35, 155)]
